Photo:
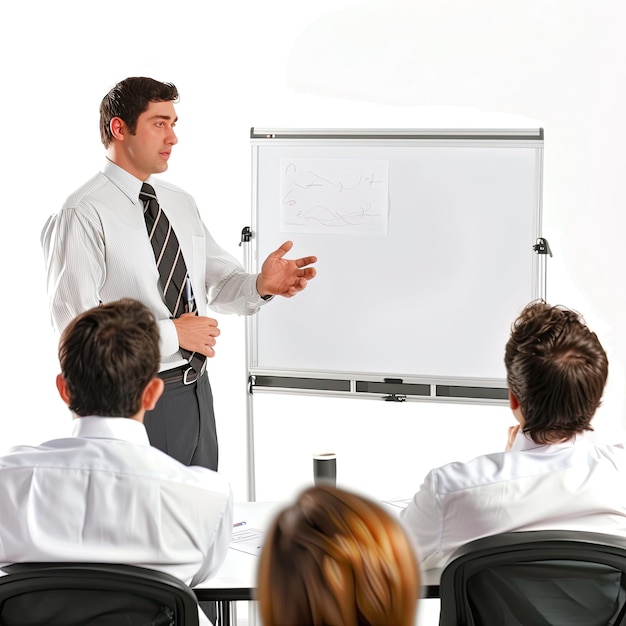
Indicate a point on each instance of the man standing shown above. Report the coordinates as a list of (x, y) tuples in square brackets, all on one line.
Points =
[(551, 475), (105, 494), (127, 234)]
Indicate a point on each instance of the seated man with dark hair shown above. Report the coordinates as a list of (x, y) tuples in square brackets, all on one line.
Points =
[(551, 475), (104, 494)]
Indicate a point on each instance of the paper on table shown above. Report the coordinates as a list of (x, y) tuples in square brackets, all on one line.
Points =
[(247, 540), (401, 503)]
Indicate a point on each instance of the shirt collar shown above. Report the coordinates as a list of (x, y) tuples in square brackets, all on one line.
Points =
[(93, 427), (126, 182), (524, 442)]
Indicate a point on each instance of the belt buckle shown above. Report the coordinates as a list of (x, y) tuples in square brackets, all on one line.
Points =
[(188, 378)]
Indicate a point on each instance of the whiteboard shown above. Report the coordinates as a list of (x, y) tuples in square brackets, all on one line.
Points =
[(426, 250)]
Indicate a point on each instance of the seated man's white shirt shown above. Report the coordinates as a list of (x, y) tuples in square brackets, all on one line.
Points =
[(577, 485), (106, 495)]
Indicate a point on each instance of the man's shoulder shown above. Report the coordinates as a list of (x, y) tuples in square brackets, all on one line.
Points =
[(30, 456), (199, 485), (482, 469), (174, 200), (106, 456), (85, 203), (151, 464), (206, 478), (532, 463), (164, 186), (96, 185)]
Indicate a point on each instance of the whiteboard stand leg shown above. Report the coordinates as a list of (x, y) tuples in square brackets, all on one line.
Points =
[(250, 443), (246, 237)]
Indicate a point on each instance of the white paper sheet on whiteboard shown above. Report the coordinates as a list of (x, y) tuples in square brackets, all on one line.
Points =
[(341, 196)]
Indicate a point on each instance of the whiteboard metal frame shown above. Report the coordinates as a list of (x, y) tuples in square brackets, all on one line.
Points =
[(384, 386), (532, 134)]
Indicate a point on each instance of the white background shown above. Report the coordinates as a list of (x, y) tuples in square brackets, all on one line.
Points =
[(331, 63)]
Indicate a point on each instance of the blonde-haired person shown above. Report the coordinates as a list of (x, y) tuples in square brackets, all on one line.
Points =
[(334, 558)]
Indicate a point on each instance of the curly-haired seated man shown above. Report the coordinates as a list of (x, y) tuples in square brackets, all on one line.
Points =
[(552, 474)]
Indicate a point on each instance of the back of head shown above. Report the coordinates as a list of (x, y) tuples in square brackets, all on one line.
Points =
[(335, 558), (129, 99), (108, 355), (557, 370)]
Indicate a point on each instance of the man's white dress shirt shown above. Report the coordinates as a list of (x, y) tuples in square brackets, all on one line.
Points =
[(577, 485), (106, 495), (97, 250)]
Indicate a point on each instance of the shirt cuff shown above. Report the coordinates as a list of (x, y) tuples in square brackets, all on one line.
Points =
[(169, 338)]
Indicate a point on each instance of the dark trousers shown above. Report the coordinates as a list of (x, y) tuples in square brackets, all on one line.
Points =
[(182, 424)]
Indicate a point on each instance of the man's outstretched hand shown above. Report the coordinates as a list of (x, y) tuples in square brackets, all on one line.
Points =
[(284, 277)]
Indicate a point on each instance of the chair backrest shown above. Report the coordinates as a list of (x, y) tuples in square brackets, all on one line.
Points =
[(94, 594), (536, 578)]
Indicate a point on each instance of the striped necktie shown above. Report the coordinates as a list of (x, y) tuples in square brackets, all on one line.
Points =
[(175, 282)]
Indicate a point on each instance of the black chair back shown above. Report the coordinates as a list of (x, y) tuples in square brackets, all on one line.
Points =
[(536, 578), (93, 594)]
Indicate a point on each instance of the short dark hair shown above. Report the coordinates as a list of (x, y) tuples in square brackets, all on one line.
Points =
[(129, 99), (108, 355), (557, 370)]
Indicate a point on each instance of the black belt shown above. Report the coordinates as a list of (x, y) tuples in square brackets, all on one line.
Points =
[(184, 374)]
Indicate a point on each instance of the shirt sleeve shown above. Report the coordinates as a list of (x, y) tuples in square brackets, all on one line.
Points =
[(73, 246), (423, 520), (230, 288)]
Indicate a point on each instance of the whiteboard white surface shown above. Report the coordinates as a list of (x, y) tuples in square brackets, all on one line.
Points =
[(430, 295)]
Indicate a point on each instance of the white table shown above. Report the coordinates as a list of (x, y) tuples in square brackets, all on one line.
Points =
[(236, 579)]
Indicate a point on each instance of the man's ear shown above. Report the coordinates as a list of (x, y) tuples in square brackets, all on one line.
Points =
[(118, 128), (516, 408), (62, 389), (152, 393)]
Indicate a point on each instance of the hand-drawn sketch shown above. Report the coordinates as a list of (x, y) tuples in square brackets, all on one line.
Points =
[(343, 196)]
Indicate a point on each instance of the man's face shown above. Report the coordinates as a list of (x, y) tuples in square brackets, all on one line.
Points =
[(148, 150)]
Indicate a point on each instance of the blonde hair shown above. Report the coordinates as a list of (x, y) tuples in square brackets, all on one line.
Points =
[(334, 558)]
